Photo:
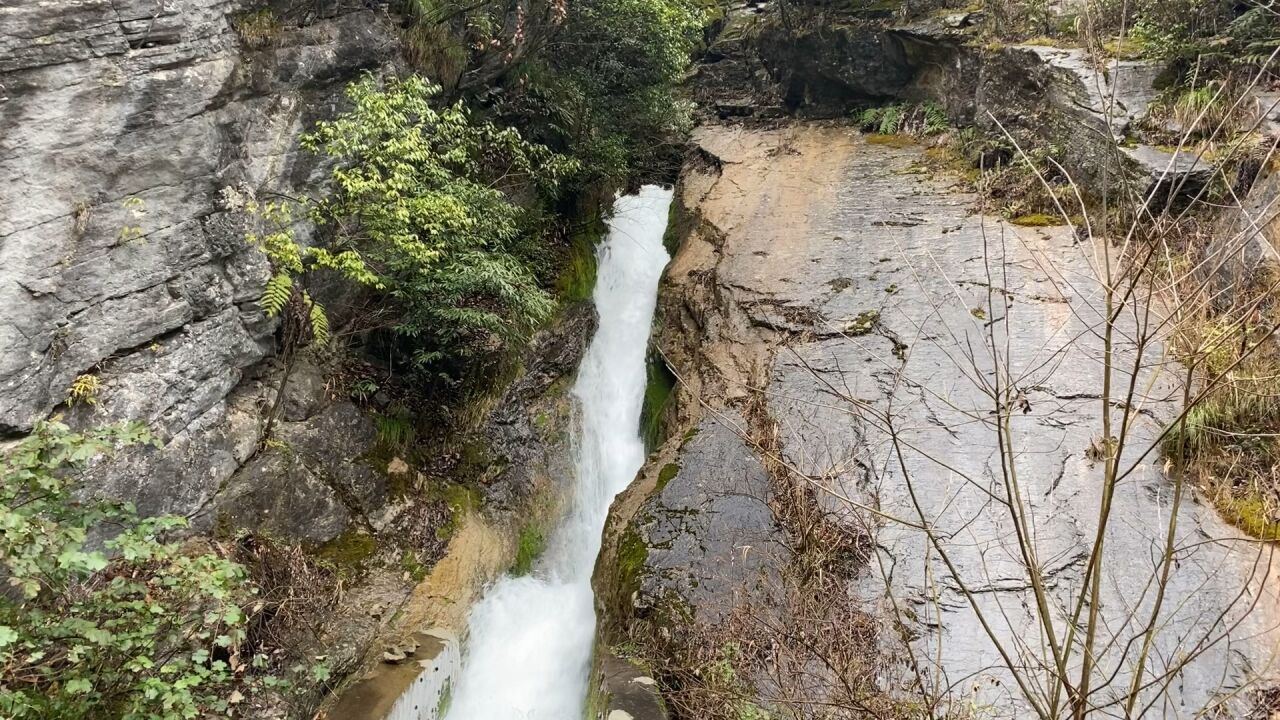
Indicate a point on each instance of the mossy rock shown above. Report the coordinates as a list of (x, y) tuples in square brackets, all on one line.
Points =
[(350, 551), (863, 324), (680, 222), (658, 392), (633, 554), (897, 140), (577, 280), (461, 499), (1038, 220), (667, 474), (530, 545)]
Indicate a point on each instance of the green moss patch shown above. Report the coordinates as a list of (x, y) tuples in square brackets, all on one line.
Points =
[(1038, 220), (1250, 514), (461, 500), (410, 563), (350, 550), (689, 435), (529, 547), (898, 140), (680, 223), (658, 390), (863, 324), (578, 279), (633, 553), (1123, 49), (667, 474)]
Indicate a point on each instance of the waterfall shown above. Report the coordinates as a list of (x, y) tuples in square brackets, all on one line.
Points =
[(530, 638)]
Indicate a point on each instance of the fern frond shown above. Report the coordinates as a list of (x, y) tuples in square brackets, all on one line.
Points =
[(277, 293), (319, 321), (891, 120), (935, 119), (870, 119)]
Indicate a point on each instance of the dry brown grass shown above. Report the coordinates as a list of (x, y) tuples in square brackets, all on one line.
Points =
[(1229, 440)]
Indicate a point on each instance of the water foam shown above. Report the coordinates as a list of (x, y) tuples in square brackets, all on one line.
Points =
[(530, 638)]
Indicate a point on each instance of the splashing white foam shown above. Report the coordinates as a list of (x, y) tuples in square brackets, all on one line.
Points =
[(530, 637)]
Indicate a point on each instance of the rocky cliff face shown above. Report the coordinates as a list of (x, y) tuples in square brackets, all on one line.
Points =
[(835, 317), (1038, 95), (120, 122)]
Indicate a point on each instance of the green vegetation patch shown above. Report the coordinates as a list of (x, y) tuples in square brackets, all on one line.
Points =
[(350, 550), (1038, 220), (666, 475), (633, 553), (1226, 442), (679, 224), (863, 324), (410, 563), (530, 545), (899, 125), (80, 623), (897, 140), (658, 392), (258, 29), (1251, 514), (577, 280), (461, 499)]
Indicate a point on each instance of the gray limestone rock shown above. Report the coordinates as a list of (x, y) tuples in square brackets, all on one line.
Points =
[(710, 536), (120, 122), (311, 483)]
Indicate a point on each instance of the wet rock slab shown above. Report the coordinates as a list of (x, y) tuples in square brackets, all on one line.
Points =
[(878, 314), (626, 691), (708, 533)]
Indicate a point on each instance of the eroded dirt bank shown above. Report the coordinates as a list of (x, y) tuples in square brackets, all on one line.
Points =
[(845, 330)]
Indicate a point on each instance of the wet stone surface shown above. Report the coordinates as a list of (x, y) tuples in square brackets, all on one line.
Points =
[(891, 311), (708, 531)]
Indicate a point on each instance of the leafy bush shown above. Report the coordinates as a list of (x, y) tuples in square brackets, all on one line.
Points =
[(272, 233), (418, 202), (418, 212), (1214, 33), (136, 628), (606, 82)]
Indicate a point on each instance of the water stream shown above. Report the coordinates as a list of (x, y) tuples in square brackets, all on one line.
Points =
[(530, 638)]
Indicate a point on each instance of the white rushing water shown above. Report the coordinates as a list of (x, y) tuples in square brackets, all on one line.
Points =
[(530, 641)]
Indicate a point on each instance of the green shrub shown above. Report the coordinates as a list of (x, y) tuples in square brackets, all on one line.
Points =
[(418, 212), (138, 628), (607, 84), (414, 197)]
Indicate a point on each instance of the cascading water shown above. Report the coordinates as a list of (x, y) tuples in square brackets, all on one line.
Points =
[(530, 637)]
